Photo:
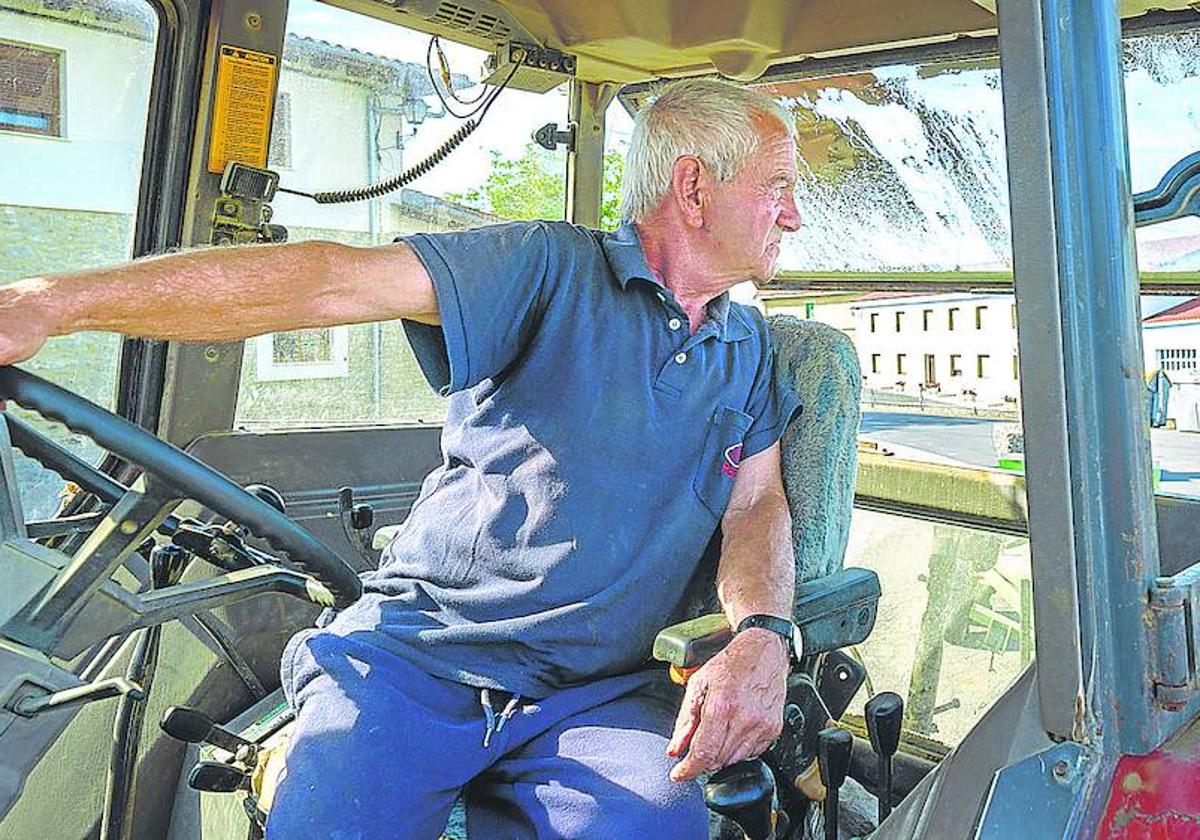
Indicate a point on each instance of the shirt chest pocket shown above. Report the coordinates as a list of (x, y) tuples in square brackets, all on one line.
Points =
[(720, 458)]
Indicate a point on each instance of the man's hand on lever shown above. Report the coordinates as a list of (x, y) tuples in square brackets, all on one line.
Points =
[(733, 707)]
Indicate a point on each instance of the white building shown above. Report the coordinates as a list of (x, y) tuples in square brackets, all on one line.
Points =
[(1171, 343), (945, 345)]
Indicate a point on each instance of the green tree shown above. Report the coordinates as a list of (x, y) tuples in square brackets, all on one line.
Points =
[(532, 186)]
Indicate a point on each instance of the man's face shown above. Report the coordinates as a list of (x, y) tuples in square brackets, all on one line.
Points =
[(749, 214)]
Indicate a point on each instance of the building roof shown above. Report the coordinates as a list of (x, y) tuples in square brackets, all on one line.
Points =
[(1176, 253), (133, 18), (418, 205), (329, 60), (1189, 310)]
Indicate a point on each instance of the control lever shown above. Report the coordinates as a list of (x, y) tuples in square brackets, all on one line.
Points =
[(833, 759), (744, 792), (195, 727), (356, 520), (217, 777), (38, 699), (884, 713)]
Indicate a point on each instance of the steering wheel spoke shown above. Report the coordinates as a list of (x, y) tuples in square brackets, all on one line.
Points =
[(46, 619)]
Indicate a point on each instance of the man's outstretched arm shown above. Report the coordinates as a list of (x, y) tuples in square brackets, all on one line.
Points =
[(733, 707), (220, 294)]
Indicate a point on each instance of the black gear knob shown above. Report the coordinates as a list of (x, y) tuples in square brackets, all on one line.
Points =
[(195, 727), (744, 792), (217, 777), (833, 760), (885, 713)]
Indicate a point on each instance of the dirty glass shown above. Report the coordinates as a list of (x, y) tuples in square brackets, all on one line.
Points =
[(955, 621), (356, 106), (74, 94), (1162, 87), (902, 171)]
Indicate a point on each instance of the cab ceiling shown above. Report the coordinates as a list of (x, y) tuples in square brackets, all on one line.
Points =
[(639, 40)]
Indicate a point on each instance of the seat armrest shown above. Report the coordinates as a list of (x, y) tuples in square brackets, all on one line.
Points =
[(832, 612)]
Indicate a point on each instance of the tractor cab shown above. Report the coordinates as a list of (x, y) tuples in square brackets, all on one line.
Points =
[(992, 313)]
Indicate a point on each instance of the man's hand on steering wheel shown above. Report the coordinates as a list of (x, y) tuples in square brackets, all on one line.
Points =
[(733, 707), (23, 330)]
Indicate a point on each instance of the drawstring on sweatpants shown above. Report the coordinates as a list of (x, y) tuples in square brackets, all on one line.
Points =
[(493, 723)]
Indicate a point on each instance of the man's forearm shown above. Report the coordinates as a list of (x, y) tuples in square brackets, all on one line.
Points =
[(225, 293), (757, 571)]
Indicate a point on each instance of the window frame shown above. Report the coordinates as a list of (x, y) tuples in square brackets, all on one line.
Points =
[(60, 117), (268, 370)]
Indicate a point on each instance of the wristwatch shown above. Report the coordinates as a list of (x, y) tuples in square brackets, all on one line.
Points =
[(787, 629)]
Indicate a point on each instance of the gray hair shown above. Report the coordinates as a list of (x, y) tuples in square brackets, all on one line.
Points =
[(710, 119)]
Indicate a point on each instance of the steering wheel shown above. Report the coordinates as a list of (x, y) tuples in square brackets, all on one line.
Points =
[(188, 476)]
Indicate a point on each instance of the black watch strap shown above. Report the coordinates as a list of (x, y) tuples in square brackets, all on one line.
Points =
[(775, 624)]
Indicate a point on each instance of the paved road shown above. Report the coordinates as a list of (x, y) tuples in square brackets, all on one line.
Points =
[(966, 440)]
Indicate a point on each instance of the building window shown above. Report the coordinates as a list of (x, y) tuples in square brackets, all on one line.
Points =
[(955, 364), (874, 363), (900, 358), (979, 312), (953, 316), (30, 89), (899, 321), (321, 353), (926, 317), (874, 321), (280, 156), (1016, 368), (981, 363), (1175, 359)]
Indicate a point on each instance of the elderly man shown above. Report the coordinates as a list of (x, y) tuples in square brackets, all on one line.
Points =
[(611, 412)]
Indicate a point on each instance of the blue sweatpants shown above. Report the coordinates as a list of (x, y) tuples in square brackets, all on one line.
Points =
[(381, 750)]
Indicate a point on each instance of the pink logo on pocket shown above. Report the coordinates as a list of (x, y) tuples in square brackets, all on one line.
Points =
[(733, 459)]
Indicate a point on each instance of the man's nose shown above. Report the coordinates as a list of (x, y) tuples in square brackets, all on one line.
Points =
[(789, 218)]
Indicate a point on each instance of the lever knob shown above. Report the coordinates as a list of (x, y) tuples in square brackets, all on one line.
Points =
[(833, 755), (197, 728), (216, 777), (744, 792), (885, 714), (833, 760)]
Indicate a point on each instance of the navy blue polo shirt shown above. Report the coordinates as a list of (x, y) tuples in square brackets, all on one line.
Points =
[(589, 451)]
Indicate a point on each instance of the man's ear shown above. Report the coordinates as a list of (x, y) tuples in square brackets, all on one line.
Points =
[(686, 177)]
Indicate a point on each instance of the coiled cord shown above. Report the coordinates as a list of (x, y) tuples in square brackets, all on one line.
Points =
[(409, 175)]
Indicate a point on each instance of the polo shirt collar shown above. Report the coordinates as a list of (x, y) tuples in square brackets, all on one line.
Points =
[(623, 249)]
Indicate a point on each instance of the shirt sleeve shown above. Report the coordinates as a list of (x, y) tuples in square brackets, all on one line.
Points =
[(490, 284), (773, 405)]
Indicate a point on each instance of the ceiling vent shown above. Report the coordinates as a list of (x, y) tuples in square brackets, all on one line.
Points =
[(462, 18)]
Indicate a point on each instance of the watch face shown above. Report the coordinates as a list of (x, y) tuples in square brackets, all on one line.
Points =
[(797, 642)]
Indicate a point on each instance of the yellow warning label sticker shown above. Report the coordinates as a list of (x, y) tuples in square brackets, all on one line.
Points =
[(241, 127)]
